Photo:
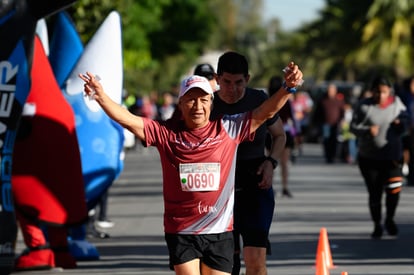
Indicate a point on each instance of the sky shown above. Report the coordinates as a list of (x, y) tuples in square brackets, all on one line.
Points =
[(292, 13)]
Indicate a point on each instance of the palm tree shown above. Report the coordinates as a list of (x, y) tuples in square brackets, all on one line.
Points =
[(388, 36)]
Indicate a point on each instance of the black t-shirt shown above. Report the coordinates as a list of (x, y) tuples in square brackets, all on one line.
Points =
[(251, 99)]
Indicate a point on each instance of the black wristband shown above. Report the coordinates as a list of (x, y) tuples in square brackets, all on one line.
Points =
[(273, 161)]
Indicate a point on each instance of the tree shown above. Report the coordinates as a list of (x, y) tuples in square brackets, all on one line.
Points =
[(160, 38), (388, 36), (352, 40), (328, 44)]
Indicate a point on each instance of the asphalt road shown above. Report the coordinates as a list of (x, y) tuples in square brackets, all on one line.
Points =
[(325, 196)]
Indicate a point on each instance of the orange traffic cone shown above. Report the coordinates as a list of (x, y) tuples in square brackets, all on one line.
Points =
[(323, 246), (321, 268)]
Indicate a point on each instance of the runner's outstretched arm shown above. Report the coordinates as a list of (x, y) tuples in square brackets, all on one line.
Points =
[(94, 90)]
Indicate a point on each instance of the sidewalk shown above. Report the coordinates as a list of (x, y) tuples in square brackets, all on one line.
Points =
[(331, 196)]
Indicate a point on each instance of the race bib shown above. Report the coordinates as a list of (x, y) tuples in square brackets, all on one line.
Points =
[(200, 176)]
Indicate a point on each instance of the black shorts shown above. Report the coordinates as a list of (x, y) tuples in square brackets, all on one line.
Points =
[(407, 141), (253, 207), (253, 216), (252, 238), (214, 250)]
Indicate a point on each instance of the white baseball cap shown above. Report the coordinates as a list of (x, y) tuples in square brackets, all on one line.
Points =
[(195, 81)]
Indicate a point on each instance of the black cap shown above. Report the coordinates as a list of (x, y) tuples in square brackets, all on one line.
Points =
[(380, 80), (205, 70)]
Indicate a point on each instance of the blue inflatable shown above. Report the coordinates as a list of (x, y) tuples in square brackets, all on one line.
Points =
[(65, 47), (100, 139)]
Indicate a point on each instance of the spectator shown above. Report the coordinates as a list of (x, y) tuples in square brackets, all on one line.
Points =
[(328, 114), (407, 96), (346, 138), (302, 105), (167, 107), (207, 71)]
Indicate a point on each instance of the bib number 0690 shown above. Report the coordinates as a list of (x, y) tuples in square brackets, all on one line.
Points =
[(200, 176)]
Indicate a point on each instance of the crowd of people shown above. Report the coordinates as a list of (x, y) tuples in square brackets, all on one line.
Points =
[(375, 134), (198, 142), (232, 138)]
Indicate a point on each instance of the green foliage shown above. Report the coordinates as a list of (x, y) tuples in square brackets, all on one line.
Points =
[(354, 39), (184, 22), (157, 36), (89, 14), (350, 40)]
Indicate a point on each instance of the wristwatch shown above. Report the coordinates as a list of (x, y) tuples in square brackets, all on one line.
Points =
[(273, 161)]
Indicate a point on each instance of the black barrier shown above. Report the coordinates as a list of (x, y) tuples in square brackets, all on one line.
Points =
[(14, 88), (8, 232), (18, 21)]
